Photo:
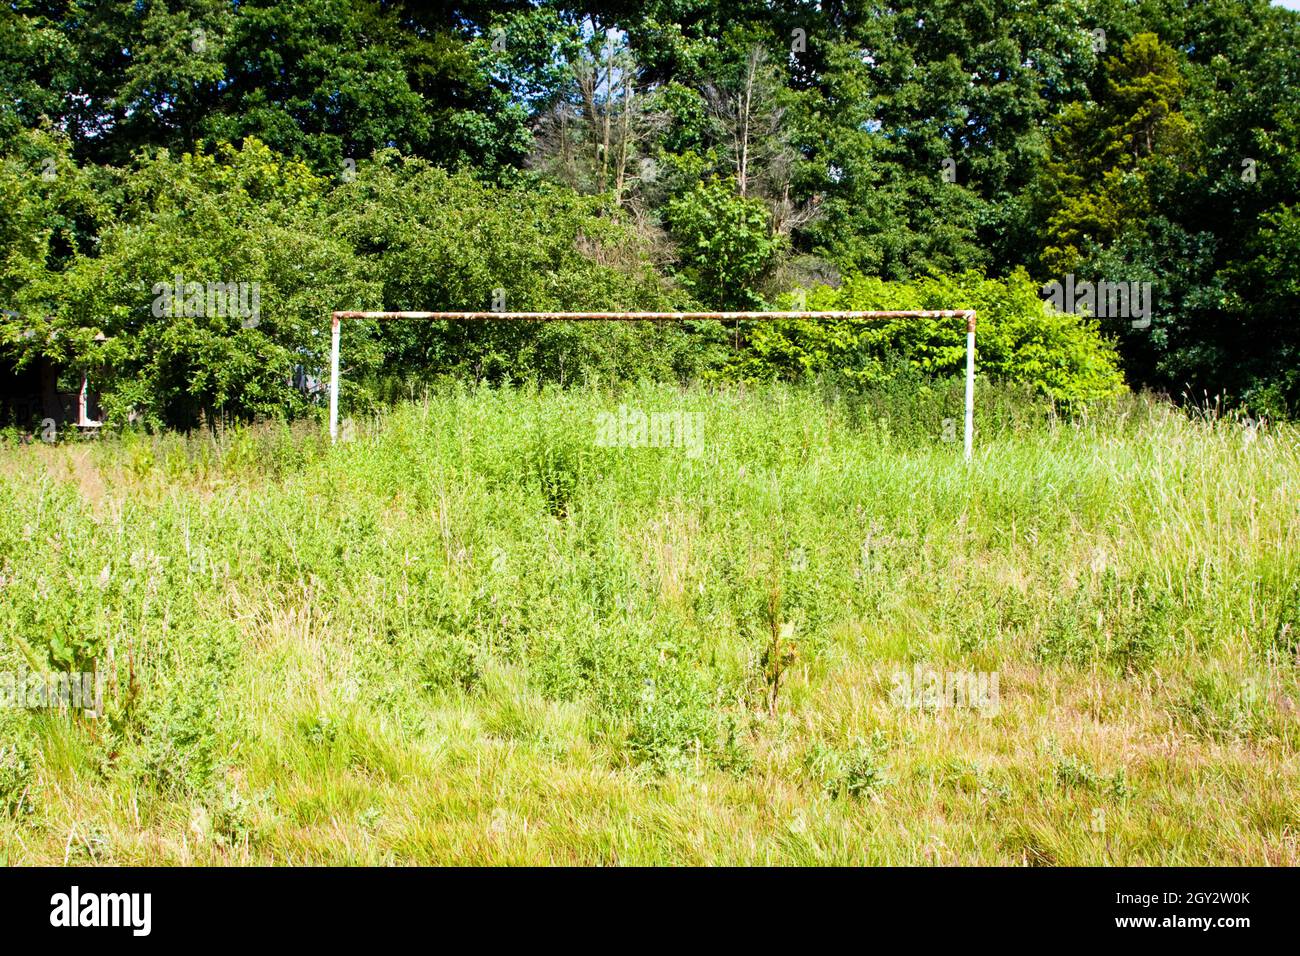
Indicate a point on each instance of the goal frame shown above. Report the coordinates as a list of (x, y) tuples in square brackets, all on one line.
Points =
[(337, 318)]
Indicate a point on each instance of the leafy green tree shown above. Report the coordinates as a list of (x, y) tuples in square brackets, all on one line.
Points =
[(1263, 288), (323, 80), (51, 214), (319, 80), (433, 240), (1104, 154), (1187, 216), (726, 244), (35, 68), (237, 216), (51, 211)]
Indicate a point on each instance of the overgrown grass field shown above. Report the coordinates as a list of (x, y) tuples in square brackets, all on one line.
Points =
[(474, 634)]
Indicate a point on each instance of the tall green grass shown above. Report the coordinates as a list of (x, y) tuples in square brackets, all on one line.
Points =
[(472, 634)]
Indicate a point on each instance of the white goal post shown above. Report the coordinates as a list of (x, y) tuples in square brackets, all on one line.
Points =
[(336, 326)]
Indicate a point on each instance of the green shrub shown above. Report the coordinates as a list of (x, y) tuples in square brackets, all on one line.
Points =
[(450, 664), (856, 771), (725, 243), (675, 721), (238, 820), (178, 750), (1124, 622), (1018, 339)]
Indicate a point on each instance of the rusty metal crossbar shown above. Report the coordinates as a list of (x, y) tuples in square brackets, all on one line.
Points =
[(968, 314), (336, 322)]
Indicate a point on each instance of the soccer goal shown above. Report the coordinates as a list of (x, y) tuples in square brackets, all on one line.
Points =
[(337, 319)]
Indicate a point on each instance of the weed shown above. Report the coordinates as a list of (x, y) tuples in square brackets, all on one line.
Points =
[(473, 605), (858, 770)]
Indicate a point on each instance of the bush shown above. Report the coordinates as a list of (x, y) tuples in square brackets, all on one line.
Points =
[(449, 664), (675, 720), (726, 244), (1019, 339), (1219, 706), (856, 771)]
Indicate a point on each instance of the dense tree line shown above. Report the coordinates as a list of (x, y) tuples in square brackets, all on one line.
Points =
[(662, 154)]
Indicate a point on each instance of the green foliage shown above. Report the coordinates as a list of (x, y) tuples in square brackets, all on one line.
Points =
[(1103, 154), (296, 145), (17, 763), (1127, 624), (726, 244), (428, 239), (319, 80), (1019, 339), (1264, 285), (237, 819), (239, 216), (1074, 772), (451, 664), (856, 771), (177, 751), (1216, 706), (674, 724)]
